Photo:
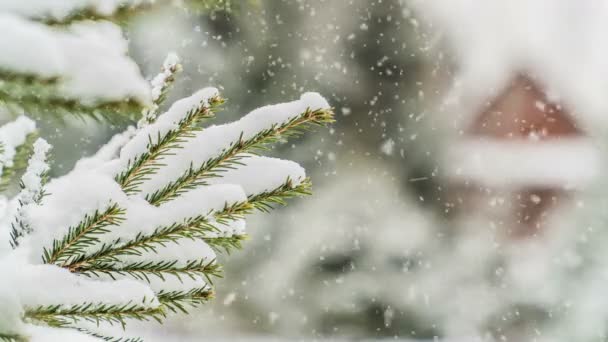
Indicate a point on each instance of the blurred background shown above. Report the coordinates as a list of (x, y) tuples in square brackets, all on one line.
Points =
[(421, 226)]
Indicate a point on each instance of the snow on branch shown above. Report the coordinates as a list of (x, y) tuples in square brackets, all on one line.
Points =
[(64, 12), (32, 191), (82, 69), (142, 223), (14, 147), (226, 146), (161, 84), (152, 144), (67, 57)]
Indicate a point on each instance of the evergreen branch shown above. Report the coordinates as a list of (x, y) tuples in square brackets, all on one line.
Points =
[(168, 79), (36, 94), (83, 235), (161, 85), (143, 270), (12, 338), (232, 156), (32, 189), (191, 228), (18, 229), (109, 338), (125, 12), (266, 200), (226, 244), (121, 15), (66, 315), (139, 169), (180, 301), (198, 227), (20, 161)]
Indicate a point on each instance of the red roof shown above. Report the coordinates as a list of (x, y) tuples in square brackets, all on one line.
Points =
[(523, 111)]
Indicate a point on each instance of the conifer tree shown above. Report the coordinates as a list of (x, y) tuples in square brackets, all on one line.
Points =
[(136, 231)]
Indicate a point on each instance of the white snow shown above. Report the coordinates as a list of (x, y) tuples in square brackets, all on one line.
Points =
[(165, 123), (107, 152), (88, 57), (160, 80), (91, 186), (213, 140), (96, 66), (170, 67), (31, 182), (12, 135), (232, 228), (141, 217), (89, 62), (37, 166), (260, 174), (74, 196), (27, 278)]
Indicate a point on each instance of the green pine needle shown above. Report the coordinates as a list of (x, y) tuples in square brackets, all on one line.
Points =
[(126, 12), (12, 338), (233, 156), (144, 270), (85, 234), (20, 162), (181, 301), (191, 228), (38, 95), (67, 315), (146, 164), (226, 244), (121, 16), (76, 250), (265, 201), (110, 338)]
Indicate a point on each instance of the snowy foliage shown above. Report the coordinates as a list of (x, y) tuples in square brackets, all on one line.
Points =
[(134, 231), (72, 55), (135, 234)]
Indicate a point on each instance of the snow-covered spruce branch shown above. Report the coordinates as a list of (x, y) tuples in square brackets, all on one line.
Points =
[(161, 85), (102, 337), (80, 237), (125, 253), (34, 95), (66, 40), (143, 270), (19, 161), (181, 301), (147, 163), (234, 155), (48, 70), (201, 226), (32, 188), (12, 338), (120, 11), (191, 228), (71, 56), (65, 316)]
